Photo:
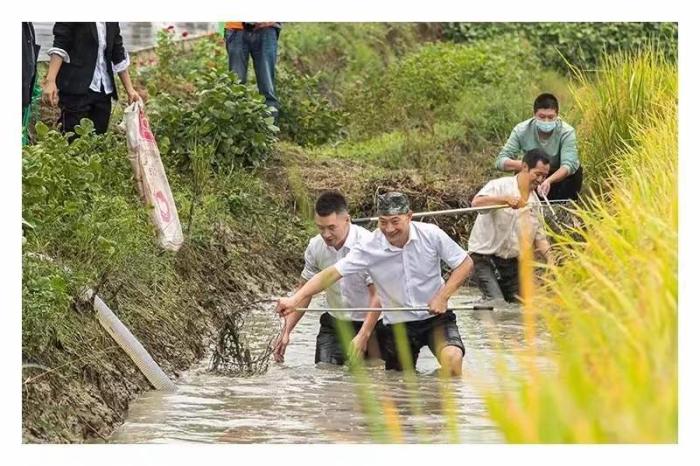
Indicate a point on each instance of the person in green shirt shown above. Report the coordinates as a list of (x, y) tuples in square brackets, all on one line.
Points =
[(546, 131)]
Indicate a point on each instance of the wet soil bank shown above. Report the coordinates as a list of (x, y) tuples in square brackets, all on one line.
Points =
[(79, 388)]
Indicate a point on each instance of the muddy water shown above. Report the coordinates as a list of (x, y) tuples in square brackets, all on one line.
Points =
[(299, 402)]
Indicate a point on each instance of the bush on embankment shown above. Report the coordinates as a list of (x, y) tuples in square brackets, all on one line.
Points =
[(308, 117), (583, 45), (425, 86)]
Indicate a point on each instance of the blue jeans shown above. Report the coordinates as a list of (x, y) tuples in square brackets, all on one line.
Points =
[(261, 44)]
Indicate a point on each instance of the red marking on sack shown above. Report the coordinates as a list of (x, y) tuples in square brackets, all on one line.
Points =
[(163, 206), (144, 127)]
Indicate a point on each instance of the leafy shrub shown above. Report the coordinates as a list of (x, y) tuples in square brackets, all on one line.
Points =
[(221, 113), (425, 86), (197, 102), (580, 44), (81, 194), (307, 117), (45, 302)]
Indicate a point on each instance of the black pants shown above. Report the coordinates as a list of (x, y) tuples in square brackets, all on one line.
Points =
[(568, 188), (95, 106), (436, 332), (329, 348), (496, 277)]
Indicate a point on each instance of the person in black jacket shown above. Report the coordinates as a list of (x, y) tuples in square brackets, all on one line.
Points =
[(30, 52), (80, 79)]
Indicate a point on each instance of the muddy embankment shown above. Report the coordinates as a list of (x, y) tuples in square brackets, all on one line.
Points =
[(79, 387), (428, 189)]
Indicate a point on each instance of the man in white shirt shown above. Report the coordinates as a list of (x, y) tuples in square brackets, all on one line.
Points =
[(337, 236), (403, 258), (494, 242)]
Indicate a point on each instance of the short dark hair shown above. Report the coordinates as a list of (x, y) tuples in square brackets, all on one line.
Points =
[(545, 101), (533, 156), (330, 202)]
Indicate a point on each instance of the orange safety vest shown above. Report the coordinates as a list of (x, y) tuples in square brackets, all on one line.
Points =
[(233, 25)]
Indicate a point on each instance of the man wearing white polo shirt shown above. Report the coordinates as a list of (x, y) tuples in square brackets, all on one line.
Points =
[(337, 236), (403, 258)]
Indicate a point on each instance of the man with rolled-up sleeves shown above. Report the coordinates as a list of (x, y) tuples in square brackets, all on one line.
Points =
[(80, 80)]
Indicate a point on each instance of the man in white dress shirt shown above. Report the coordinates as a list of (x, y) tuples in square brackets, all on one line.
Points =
[(403, 259), (337, 236), (494, 242)]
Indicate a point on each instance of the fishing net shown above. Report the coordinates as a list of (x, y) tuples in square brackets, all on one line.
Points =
[(563, 219), (245, 340)]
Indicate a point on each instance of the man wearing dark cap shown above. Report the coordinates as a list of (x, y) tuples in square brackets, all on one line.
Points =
[(403, 259)]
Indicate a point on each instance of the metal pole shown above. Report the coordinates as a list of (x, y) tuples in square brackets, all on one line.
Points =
[(391, 309), (546, 200), (458, 211)]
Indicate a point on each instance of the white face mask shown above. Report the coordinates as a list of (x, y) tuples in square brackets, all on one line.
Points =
[(545, 126)]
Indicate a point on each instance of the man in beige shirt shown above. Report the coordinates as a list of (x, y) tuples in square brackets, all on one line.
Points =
[(494, 242)]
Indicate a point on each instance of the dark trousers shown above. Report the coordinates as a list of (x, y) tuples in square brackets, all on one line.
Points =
[(568, 188), (436, 332), (496, 277), (95, 106), (329, 344)]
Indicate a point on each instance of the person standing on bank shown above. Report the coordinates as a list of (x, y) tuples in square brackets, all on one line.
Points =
[(494, 242), (546, 131), (80, 79), (259, 41), (30, 54), (403, 258), (337, 236)]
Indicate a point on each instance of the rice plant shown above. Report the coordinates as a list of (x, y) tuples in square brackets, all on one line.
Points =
[(629, 88), (611, 307)]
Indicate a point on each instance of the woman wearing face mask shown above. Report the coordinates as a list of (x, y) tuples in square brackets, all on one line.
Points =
[(546, 131)]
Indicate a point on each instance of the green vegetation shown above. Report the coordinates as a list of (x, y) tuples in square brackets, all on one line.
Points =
[(582, 45), (309, 118), (343, 54), (631, 90), (197, 102), (425, 86)]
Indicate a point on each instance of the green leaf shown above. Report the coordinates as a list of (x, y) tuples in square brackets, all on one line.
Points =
[(41, 130)]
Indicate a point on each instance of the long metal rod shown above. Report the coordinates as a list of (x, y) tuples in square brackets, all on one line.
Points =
[(391, 309), (549, 204), (458, 211)]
